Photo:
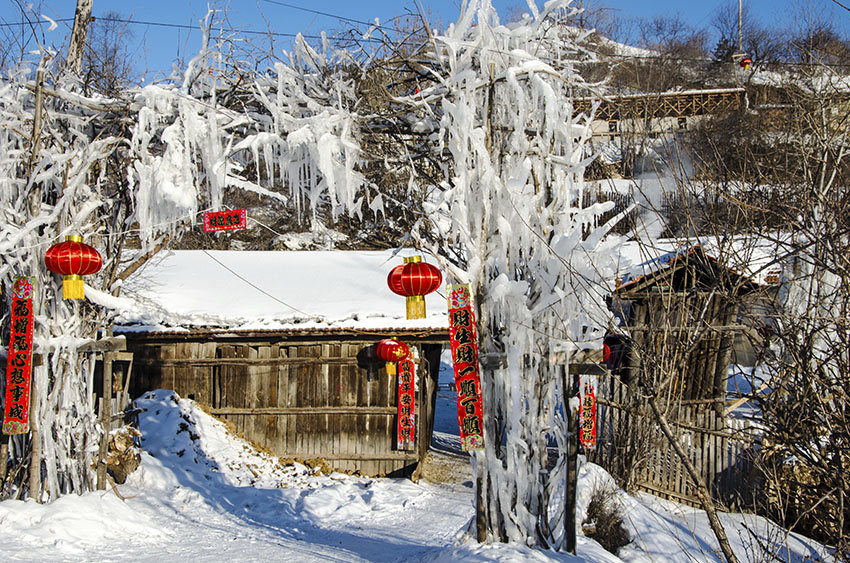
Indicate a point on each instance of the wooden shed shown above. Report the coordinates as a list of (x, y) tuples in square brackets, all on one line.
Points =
[(679, 319), (281, 345), (315, 394)]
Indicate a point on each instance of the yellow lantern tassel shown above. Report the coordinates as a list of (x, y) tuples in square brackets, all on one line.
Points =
[(391, 368), (415, 306), (72, 287)]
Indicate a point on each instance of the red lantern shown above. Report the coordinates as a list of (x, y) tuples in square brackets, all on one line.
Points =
[(392, 352), (73, 259), (414, 280), (746, 62)]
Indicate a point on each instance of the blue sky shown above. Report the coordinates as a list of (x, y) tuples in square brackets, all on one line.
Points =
[(162, 45)]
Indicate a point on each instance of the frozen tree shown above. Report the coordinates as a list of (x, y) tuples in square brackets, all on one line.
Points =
[(140, 168), (513, 217)]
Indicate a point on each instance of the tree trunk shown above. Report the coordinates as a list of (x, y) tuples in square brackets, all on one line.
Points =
[(702, 491)]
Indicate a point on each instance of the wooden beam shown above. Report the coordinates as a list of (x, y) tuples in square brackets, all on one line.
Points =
[(292, 336), (349, 361), (107, 344), (588, 369), (303, 410), (351, 456)]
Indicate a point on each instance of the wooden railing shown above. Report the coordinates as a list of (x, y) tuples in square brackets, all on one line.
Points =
[(679, 104)]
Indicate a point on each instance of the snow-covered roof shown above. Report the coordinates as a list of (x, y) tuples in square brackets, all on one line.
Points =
[(237, 290), (757, 259)]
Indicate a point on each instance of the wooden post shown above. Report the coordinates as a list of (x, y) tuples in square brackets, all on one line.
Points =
[(4, 458), (571, 390), (35, 205), (480, 509), (35, 446), (105, 419), (82, 17), (36, 120)]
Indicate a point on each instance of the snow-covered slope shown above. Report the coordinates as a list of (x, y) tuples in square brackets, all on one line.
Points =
[(203, 494)]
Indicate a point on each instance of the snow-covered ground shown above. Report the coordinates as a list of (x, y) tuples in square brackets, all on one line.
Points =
[(203, 494)]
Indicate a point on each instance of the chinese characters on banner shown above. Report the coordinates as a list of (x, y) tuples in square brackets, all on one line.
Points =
[(587, 411), (406, 404), (19, 360), (225, 220), (464, 341)]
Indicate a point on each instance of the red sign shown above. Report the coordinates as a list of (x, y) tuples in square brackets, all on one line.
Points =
[(19, 360), (464, 340), (587, 413), (225, 220), (406, 404)]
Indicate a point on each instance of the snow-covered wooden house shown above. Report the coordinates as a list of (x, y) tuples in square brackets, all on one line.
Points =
[(681, 314), (281, 345)]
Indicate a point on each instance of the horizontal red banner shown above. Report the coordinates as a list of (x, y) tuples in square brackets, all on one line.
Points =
[(226, 220)]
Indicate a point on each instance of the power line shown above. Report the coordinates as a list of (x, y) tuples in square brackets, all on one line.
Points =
[(603, 59), (197, 28), (317, 12), (38, 22), (168, 25), (264, 292)]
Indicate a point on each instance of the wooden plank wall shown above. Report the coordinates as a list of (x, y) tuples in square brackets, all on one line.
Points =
[(720, 447), (302, 400), (665, 324)]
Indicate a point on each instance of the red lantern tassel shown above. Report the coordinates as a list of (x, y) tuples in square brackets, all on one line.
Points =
[(415, 306), (72, 287)]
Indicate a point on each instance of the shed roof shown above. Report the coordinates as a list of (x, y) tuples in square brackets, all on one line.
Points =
[(306, 291), (711, 270)]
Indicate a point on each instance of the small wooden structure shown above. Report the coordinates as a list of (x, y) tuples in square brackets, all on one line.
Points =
[(304, 394), (653, 113), (688, 103), (681, 318)]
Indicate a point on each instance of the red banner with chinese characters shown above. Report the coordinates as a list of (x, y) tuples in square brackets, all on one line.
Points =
[(406, 404), (464, 341), (225, 220), (587, 411), (19, 360)]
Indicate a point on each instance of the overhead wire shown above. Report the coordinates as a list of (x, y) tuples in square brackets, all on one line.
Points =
[(27, 23), (261, 290), (317, 12), (604, 59)]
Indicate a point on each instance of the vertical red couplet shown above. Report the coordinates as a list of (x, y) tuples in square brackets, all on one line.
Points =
[(406, 404), (464, 342), (587, 413), (19, 361)]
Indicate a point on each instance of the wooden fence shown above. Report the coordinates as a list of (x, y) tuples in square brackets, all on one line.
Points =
[(631, 446)]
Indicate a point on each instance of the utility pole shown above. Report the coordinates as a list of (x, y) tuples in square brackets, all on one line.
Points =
[(82, 17), (740, 19)]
